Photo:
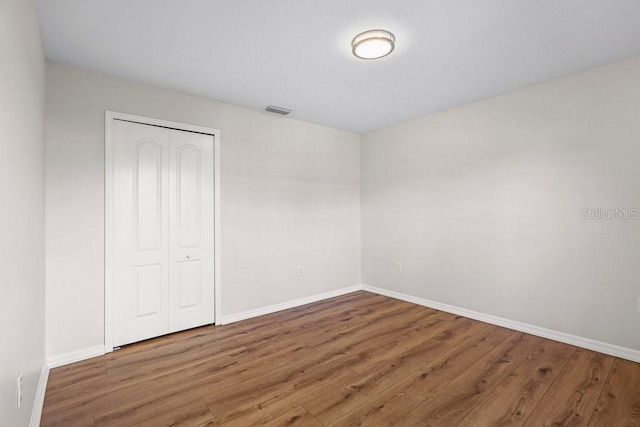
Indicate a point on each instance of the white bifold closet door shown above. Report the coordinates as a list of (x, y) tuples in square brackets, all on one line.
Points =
[(163, 270)]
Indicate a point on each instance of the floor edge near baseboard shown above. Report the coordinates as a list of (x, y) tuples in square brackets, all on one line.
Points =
[(75, 356), (578, 341), (232, 318)]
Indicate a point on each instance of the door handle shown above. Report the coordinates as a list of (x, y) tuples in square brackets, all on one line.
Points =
[(188, 256)]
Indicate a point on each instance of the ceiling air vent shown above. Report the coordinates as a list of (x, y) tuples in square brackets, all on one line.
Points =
[(277, 110)]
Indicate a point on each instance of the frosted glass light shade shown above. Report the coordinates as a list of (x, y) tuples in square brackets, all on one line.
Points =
[(373, 44)]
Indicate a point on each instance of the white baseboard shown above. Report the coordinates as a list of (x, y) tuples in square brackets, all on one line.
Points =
[(75, 356), (599, 346), (231, 318), (99, 350), (38, 402)]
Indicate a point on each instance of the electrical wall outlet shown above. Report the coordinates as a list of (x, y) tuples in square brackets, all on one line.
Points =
[(398, 265), (19, 402), (301, 271)]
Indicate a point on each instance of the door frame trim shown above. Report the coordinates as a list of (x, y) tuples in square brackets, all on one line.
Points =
[(109, 117)]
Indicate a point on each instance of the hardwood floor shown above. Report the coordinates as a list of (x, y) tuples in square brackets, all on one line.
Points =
[(359, 359)]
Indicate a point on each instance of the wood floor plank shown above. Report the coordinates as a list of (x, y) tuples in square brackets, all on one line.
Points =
[(400, 399), (515, 398), (207, 371), (158, 411), (76, 380), (274, 384), (335, 403), (619, 402), (87, 370), (509, 404), (264, 408), (398, 365), (120, 397), (384, 323), (409, 421), (218, 339), (422, 331), (297, 417), (545, 362), (357, 359), (229, 339), (340, 354), (230, 392), (573, 396), (453, 402), (191, 382), (55, 418)]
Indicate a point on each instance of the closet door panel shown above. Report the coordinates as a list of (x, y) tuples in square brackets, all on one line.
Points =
[(191, 230), (163, 219), (141, 231)]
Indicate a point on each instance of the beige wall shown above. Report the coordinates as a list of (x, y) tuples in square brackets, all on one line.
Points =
[(290, 197), (483, 205), (21, 208)]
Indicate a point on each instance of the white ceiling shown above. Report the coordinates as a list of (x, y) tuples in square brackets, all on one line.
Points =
[(297, 53)]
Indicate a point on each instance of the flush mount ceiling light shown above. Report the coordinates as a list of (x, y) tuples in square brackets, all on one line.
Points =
[(277, 110), (373, 44)]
